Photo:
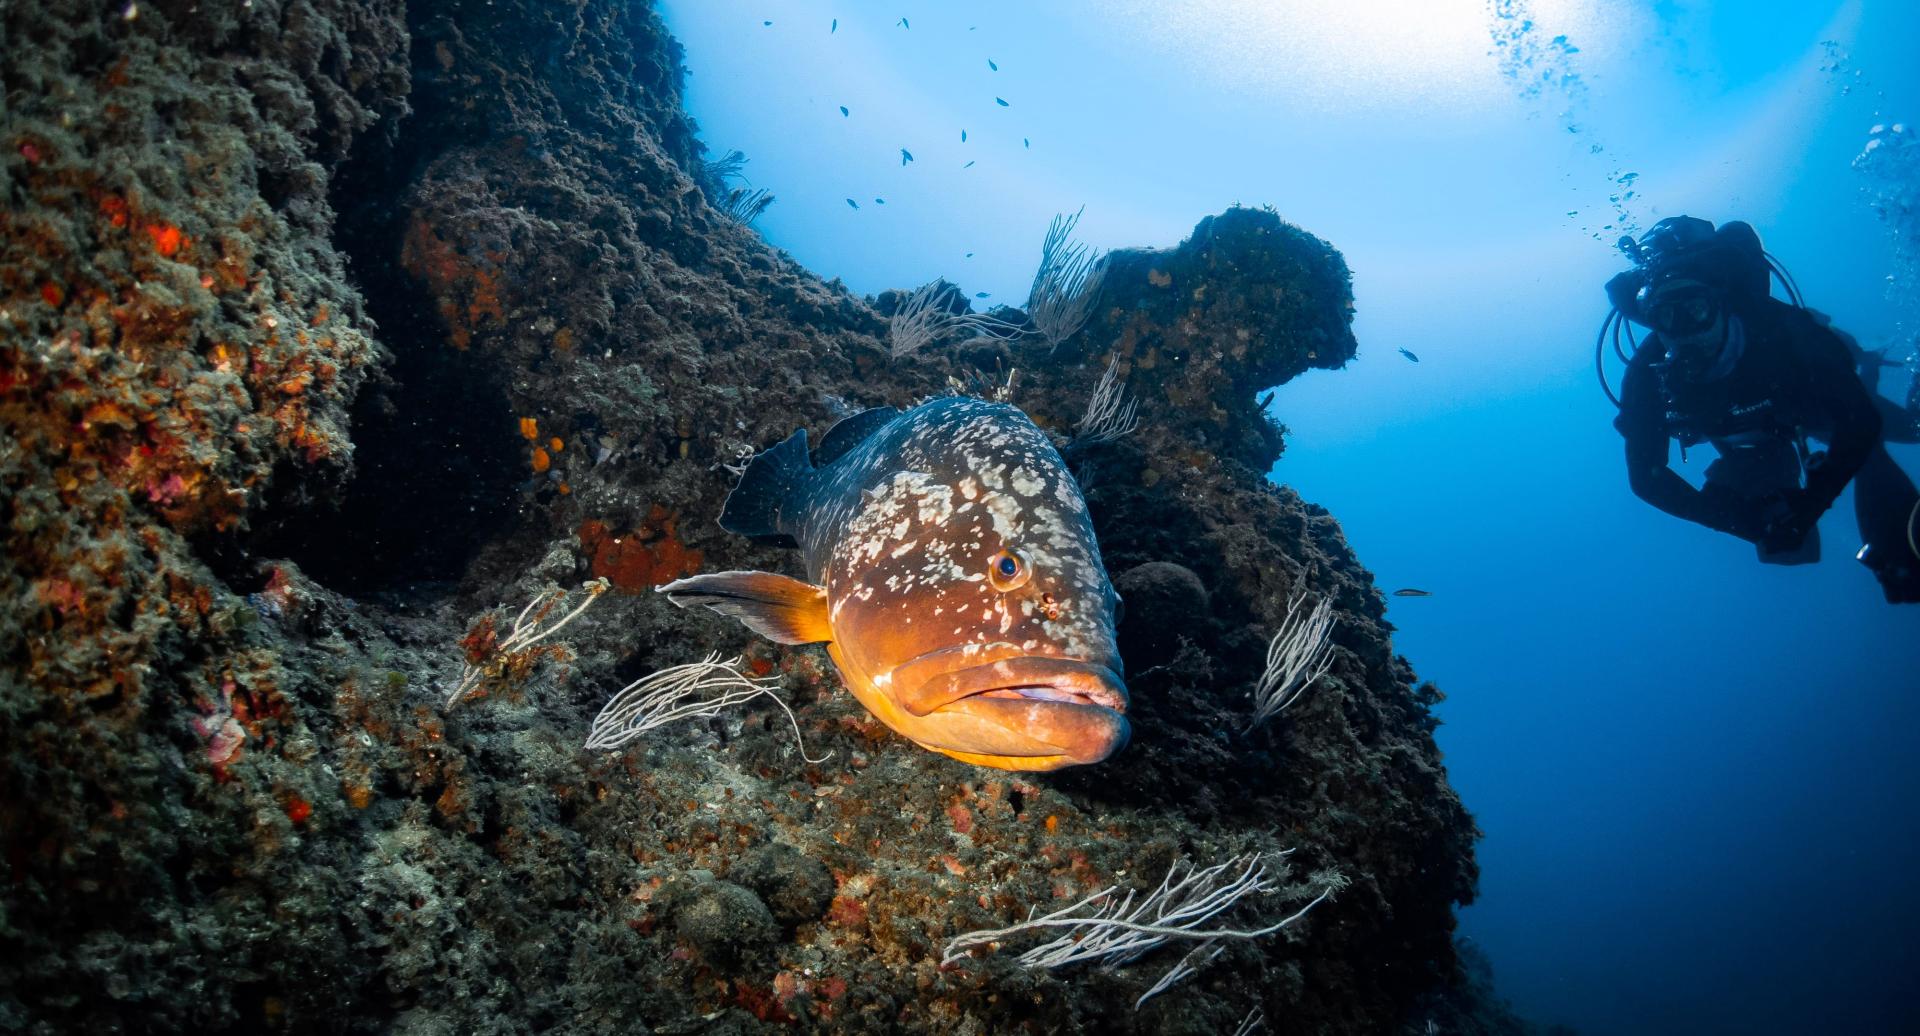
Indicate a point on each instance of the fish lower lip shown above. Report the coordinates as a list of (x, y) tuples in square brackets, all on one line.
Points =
[(1035, 678)]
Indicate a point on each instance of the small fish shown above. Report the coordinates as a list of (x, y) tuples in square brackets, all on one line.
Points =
[(953, 574), (969, 165), (766, 23), (905, 156), (1024, 142), (852, 204), (904, 25), (835, 27), (969, 255), (843, 111), (982, 294), (963, 136), (993, 66), (1407, 591), (1408, 353), (879, 201), (1002, 102)]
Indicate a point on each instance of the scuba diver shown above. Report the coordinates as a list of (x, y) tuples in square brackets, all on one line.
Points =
[(1756, 377)]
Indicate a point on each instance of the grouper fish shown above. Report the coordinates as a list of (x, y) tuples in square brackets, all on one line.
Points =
[(952, 573)]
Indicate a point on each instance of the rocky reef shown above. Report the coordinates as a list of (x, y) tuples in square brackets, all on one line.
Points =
[(336, 332)]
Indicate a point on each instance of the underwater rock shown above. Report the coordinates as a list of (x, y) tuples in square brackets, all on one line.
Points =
[(1164, 603), (727, 924), (796, 887), (233, 795), (1199, 331)]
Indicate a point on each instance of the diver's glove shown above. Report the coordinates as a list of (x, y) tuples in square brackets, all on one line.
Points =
[(1736, 515), (1786, 519)]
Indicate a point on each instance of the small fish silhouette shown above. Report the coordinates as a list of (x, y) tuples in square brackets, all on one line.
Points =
[(1024, 142), (969, 255), (982, 294), (879, 201), (963, 136), (1408, 591), (905, 156), (843, 111), (1409, 355), (834, 28), (766, 23), (1002, 102), (904, 25), (852, 204), (969, 165), (993, 66)]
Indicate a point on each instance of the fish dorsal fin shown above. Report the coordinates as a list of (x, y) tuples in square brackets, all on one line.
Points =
[(851, 432), (770, 499), (779, 608)]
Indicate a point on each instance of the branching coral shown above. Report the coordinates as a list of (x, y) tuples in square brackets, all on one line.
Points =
[(491, 658), (1066, 285), (1110, 414), (705, 688), (927, 315), (742, 204), (1298, 655), (1116, 932)]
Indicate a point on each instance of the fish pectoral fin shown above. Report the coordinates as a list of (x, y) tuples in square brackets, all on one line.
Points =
[(779, 608)]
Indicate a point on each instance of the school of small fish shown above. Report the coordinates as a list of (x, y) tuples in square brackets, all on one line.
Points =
[(906, 156)]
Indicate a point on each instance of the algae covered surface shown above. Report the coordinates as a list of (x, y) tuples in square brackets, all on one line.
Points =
[(333, 333)]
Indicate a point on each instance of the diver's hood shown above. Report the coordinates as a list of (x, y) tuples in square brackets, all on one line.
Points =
[(1727, 259)]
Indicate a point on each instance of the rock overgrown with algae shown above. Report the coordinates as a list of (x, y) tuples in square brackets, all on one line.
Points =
[(233, 796)]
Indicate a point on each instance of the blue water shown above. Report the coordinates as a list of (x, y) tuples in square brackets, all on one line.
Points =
[(1695, 773)]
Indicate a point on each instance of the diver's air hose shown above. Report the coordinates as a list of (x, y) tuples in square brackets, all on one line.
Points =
[(1913, 518), (1779, 270), (1600, 353)]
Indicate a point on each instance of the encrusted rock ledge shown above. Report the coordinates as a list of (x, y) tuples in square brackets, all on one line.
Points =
[(232, 796)]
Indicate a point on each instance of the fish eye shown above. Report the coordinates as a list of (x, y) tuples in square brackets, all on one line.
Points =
[(1008, 570)]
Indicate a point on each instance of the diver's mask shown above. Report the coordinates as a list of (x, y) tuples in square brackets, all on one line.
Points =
[(1690, 320)]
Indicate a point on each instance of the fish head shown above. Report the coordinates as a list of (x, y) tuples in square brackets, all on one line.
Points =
[(971, 612)]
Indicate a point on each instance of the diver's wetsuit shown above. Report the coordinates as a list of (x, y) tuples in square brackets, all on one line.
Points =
[(1794, 377)]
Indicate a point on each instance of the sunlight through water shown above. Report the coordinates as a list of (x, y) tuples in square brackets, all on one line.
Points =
[(1383, 54)]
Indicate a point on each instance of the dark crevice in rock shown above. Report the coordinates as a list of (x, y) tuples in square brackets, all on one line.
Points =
[(434, 479), (437, 471)]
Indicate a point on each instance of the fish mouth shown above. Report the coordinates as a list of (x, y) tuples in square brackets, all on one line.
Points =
[(999, 704), (1041, 678)]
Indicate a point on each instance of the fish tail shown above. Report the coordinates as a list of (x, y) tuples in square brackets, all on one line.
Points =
[(770, 496)]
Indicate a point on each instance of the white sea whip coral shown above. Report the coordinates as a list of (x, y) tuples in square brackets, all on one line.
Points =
[(1298, 655), (926, 316), (488, 657), (704, 688), (1116, 932), (1066, 284), (1110, 414)]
